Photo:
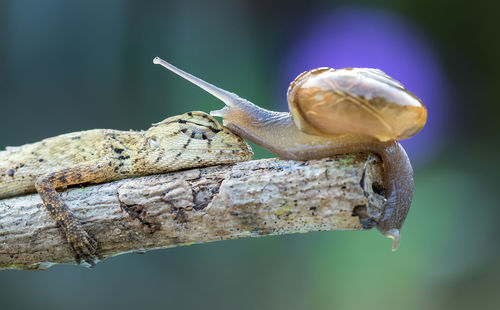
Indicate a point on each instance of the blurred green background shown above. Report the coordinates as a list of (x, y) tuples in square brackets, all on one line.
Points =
[(74, 65)]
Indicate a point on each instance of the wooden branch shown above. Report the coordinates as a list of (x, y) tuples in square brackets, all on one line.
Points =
[(249, 199)]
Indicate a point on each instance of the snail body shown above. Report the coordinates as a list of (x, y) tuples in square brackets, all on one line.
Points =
[(335, 112)]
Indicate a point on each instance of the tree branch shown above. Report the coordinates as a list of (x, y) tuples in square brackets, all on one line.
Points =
[(249, 199)]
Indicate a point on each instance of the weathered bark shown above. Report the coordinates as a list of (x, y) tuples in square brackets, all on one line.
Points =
[(249, 199)]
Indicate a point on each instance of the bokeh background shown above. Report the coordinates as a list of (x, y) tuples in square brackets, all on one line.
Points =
[(74, 65)]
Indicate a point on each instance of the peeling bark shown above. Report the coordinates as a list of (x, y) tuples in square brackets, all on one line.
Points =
[(249, 199)]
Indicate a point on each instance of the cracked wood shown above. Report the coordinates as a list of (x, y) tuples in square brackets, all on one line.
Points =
[(248, 199)]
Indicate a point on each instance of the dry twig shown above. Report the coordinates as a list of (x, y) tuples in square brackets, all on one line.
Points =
[(249, 199)]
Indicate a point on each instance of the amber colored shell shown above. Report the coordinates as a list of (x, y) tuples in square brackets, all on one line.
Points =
[(362, 101)]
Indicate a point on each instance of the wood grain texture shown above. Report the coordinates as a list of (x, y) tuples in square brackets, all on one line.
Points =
[(248, 199)]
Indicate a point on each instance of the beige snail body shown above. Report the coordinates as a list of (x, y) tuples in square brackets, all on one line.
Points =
[(335, 112)]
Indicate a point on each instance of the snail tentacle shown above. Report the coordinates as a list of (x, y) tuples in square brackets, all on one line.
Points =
[(230, 99)]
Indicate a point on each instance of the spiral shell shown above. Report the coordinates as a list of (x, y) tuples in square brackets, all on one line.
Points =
[(363, 101)]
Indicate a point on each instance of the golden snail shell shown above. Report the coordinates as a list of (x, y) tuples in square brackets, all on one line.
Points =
[(361, 101)]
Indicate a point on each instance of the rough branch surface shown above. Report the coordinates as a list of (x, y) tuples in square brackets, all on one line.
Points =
[(249, 199)]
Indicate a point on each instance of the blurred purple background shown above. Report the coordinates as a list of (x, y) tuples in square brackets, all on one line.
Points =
[(374, 38)]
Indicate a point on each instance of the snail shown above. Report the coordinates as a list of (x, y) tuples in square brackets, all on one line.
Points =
[(335, 112)]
